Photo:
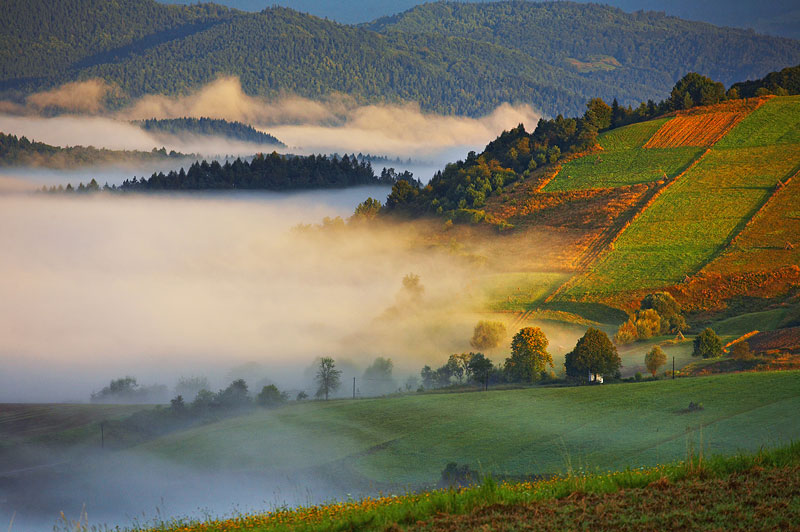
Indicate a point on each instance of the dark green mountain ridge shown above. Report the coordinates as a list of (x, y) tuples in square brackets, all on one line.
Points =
[(451, 58)]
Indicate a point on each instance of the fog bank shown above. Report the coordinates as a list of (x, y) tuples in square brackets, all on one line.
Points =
[(162, 286), (336, 124)]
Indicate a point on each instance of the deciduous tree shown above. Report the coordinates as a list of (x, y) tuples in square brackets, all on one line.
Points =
[(529, 357), (328, 377), (655, 359), (594, 354), (487, 335)]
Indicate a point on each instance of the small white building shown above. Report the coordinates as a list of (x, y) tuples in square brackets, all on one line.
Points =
[(594, 377)]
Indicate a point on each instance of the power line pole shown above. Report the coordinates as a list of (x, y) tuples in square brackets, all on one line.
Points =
[(102, 436), (354, 387), (673, 368)]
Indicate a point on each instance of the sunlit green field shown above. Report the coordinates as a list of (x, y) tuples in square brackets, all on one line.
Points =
[(519, 291), (623, 161), (775, 122), (409, 439), (619, 168)]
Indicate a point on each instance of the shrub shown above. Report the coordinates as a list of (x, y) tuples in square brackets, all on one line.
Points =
[(707, 344), (741, 351)]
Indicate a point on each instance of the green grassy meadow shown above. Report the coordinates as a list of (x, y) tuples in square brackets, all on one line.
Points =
[(767, 320), (519, 291), (623, 161), (630, 136), (618, 168), (407, 440), (775, 122)]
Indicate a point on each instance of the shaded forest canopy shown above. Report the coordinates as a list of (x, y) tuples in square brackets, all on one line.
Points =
[(263, 172), (211, 127), (20, 151), (783, 83), (449, 57)]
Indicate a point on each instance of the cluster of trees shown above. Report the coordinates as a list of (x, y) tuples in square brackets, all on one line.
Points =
[(448, 57), (594, 355), (193, 395), (781, 83), (693, 90), (205, 407), (128, 390), (20, 151), (658, 314), (461, 189), (209, 126), (263, 172)]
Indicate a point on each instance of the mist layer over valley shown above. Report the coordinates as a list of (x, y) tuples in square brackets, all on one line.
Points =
[(222, 286)]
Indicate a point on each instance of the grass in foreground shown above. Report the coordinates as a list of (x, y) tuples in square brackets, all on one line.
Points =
[(755, 491)]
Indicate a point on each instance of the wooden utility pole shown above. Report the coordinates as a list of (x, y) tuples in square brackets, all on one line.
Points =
[(673, 368), (102, 436), (354, 387)]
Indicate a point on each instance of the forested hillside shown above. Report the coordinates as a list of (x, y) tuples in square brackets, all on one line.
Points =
[(451, 58), (603, 43), (209, 127), (262, 172), (20, 151), (777, 17)]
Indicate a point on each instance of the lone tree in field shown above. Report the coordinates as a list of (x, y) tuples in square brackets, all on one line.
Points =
[(707, 344), (655, 359), (480, 368), (487, 335), (594, 355), (328, 377), (529, 357)]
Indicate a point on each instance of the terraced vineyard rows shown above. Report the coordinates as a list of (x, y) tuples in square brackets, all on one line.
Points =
[(702, 126), (693, 130), (692, 221)]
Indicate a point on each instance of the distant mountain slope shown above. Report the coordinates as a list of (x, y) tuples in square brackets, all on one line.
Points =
[(602, 42), (451, 58), (776, 17), (41, 38)]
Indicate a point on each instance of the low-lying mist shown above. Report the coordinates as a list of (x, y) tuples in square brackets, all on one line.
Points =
[(163, 286), (337, 124)]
